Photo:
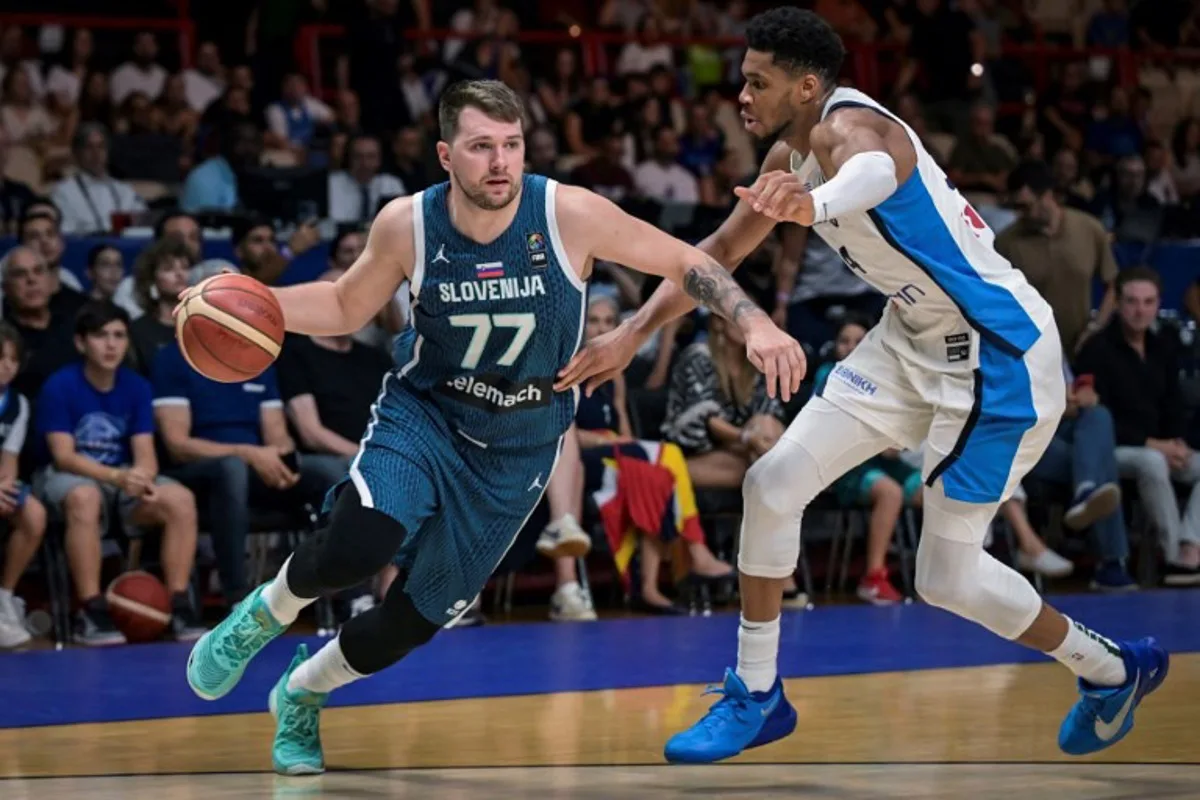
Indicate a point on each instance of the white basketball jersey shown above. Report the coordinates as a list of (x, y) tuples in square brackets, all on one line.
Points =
[(929, 251)]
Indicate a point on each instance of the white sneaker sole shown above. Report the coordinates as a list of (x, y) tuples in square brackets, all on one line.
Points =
[(569, 545)]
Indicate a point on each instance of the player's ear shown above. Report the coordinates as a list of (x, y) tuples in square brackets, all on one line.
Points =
[(808, 89), (443, 151)]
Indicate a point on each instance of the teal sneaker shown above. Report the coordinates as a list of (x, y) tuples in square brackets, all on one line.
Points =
[(220, 656), (297, 748)]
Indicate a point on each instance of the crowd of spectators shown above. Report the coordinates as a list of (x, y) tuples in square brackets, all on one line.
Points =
[(102, 134)]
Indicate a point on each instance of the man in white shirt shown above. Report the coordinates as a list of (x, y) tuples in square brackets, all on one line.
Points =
[(89, 198), (662, 178), (142, 74), (355, 192), (206, 81)]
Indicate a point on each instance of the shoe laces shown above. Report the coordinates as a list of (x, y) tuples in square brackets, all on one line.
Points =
[(299, 720), (245, 637), (728, 709)]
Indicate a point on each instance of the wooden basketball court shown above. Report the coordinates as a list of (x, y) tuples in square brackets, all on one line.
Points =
[(893, 703)]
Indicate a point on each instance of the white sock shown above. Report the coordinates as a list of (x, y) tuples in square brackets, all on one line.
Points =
[(758, 651), (1091, 656), (325, 671), (284, 605)]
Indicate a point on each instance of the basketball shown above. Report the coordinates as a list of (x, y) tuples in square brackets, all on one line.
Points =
[(231, 330), (140, 605)]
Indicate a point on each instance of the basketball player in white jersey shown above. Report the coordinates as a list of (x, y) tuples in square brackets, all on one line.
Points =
[(966, 359)]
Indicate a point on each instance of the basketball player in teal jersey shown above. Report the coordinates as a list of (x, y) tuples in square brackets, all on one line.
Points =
[(966, 360), (464, 436)]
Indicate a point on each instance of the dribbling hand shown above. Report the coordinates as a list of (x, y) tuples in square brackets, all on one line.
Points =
[(778, 356)]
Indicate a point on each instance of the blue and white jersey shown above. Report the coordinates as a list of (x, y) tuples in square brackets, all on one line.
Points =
[(929, 251)]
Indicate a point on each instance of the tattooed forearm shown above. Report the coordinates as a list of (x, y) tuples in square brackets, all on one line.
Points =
[(713, 287)]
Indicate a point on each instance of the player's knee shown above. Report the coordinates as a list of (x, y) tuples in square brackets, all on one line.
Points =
[(949, 589), (784, 481), (378, 638)]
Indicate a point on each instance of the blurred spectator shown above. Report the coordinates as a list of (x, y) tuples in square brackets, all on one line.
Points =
[(1158, 24), (849, 18), (981, 159), (40, 230), (12, 48), (718, 410), (347, 123), (590, 119), (1109, 27), (229, 443), (95, 103), (604, 174), (1068, 108), (942, 48), (23, 117), (664, 92), (105, 268), (174, 224), (702, 145), (1160, 183), (14, 195), (1113, 133), (542, 154), (716, 190), (65, 81), (563, 540), (1126, 208), (24, 514), (258, 255), (1072, 188), (647, 52), (358, 191), (814, 288), (628, 476), (89, 199), (1082, 456), (293, 121), (1136, 373), (160, 274), (1062, 252), (1185, 149), (205, 82), (624, 15), (176, 117), (98, 425), (884, 484), (662, 178), (142, 74), (558, 92), (409, 163), (212, 185), (46, 334)]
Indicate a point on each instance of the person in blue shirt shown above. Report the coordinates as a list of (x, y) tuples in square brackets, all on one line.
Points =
[(213, 184), (230, 443), (96, 421)]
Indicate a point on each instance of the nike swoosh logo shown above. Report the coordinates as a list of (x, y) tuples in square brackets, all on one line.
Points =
[(1105, 731), (770, 707)]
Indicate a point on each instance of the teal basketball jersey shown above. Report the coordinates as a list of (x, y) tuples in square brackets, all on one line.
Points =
[(492, 324)]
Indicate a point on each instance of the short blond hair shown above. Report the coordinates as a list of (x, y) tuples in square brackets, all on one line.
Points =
[(493, 98)]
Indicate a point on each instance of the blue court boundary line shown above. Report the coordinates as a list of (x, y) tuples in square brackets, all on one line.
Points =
[(505, 660)]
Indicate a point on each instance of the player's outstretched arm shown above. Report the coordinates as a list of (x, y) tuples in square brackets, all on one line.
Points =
[(610, 234), (342, 307), (736, 238)]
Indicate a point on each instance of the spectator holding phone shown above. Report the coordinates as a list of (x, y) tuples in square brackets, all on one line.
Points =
[(98, 428), (26, 516), (1136, 375)]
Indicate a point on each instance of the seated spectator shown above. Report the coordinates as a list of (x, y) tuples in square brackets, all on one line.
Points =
[(662, 178), (884, 484), (1071, 188), (604, 174), (1061, 251), (648, 51), (47, 334), (1136, 374), (257, 253), (981, 160), (204, 82), (628, 476), (1160, 181), (408, 159), (229, 442), (178, 225), (105, 269), (23, 117), (563, 540), (718, 410), (702, 144), (1082, 456), (15, 196), (160, 274), (41, 230), (359, 190), (213, 185), (293, 120), (1185, 156), (89, 199), (1113, 133), (542, 152), (590, 119), (98, 426), (25, 515), (142, 74)]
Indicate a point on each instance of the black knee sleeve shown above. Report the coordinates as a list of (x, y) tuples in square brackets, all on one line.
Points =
[(355, 543), (378, 638)]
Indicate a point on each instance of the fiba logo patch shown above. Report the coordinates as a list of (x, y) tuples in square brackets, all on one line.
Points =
[(536, 243)]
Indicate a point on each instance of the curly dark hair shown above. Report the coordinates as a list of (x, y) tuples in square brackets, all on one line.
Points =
[(799, 40)]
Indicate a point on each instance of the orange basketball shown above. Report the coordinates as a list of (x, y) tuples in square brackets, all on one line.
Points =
[(231, 330), (140, 605)]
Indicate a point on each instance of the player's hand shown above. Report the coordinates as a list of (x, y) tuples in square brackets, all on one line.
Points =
[(779, 196), (600, 360), (776, 355), (192, 291)]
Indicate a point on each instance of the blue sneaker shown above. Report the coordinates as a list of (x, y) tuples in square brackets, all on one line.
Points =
[(738, 721), (220, 657), (1104, 714), (297, 746), (1111, 576)]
